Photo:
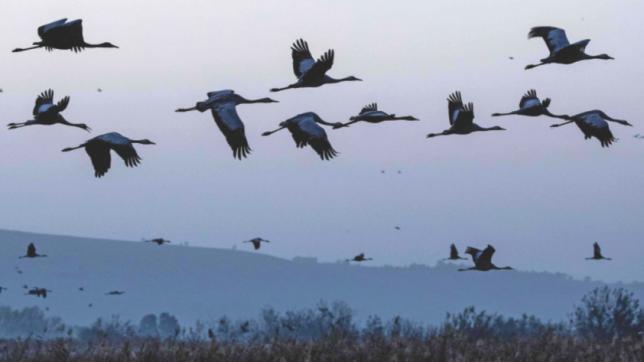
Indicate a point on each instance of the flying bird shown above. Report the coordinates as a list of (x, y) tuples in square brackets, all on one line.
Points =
[(305, 131), (99, 90), (257, 242), (158, 241), (597, 253), (371, 114), (31, 252), (310, 72), (65, 36), (461, 118), (38, 292), (115, 292), (98, 149), (530, 105), (223, 106), (359, 258), (2, 289), (594, 124), (561, 51), (638, 136), (47, 113), (453, 254), (397, 228), (483, 259)]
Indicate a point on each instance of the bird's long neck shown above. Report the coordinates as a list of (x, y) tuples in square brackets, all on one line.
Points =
[(139, 141)]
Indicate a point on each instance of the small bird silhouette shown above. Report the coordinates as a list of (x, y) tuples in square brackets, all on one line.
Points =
[(531, 105), (359, 258), (47, 113), (397, 227), (99, 90), (453, 254), (257, 242), (2, 289), (461, 118), (594, 124), (38, 292), (31, 252), (483, 259), (63, 35), (115, 292), (597, 253), (158, 241), (371, 114)]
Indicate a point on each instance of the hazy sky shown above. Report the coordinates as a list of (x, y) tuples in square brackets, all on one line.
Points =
[(540, 196)]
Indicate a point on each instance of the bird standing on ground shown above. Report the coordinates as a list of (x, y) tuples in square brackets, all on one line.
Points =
[(453, 254), (597, 253), (223, 108), (483, 259), (305, 131), (461, 118), (359, 258), (309, 72), (31, 252), (371, 114), (561, 51), (530, 105), (98, 149), (594, 124), (47, 113), (65, 36), (257, 242)]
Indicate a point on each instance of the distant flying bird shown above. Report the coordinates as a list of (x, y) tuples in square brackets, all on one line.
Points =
[(2, 289), (31, 252), (638, 136), (453, 254), (531, 105), (597, 253), (18, 270), (90, 305), (461, 118), (38, 292), (397, 227), (81, 289), (309, 72), (115, 292), (305, 131), (561, 51), (99, 90), (257, 242), (594, 124), (65, 36), (371, 114), (98, 149), (47, 113), (359, 258), (223, 106), (158, 241), (1, 90), (483, 259)]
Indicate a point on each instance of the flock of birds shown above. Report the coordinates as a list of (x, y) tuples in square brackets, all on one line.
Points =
[(305, 128)]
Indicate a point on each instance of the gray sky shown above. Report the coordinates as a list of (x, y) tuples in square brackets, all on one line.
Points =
[(541, 196)]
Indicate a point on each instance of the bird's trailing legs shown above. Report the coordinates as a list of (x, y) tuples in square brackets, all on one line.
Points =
[(36, 46), (268, 133), (560, 124), (186, 109), (530, 66), (19, 125)]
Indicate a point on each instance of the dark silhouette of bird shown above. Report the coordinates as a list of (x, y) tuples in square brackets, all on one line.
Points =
[(561, 51), (305, 131), (47, 113), (1, 90), (18, 269), (597, 253), (115, 292), (638, 136), (2, 289), (90, 305), (65, 36), (98, 149), (38, 292), (257, 242), (308, 71), (81, 289), (359, 258), (99, 90), (461, 118), (594, 124), (245, 327), (32, 253), (397, 228), (531, 105), (158, 241), (453, 254), (223, 106), (371, 114), (211, 334), (483, 259)]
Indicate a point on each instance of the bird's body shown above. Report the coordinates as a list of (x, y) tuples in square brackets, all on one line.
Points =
[(257, 242), (32, 253), (305, 130), (453, 253), (461, 118), (597, 253), (561, 51), (115, 292), (98, 149), (63, 35), (359, 258), (47, 113), (594, 124), (531, 106), (371, 114), (158, 241), (483, 259), (308, 71), (222, 105)]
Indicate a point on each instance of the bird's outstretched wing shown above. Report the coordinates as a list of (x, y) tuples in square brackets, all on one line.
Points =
[(232, 127), (128, 153), (369, 108), (62, 104), (592, 124), (486, 255), (529, 99), (42, 30), (72, 32), (597, 251), (302, 58), (321, 66), (453, 252), (555, 38), (459, 113), (46, 97), (474, 252), (99, 153), (317, 138)]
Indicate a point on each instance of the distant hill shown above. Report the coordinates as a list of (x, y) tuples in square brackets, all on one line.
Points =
[(205, 283)]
